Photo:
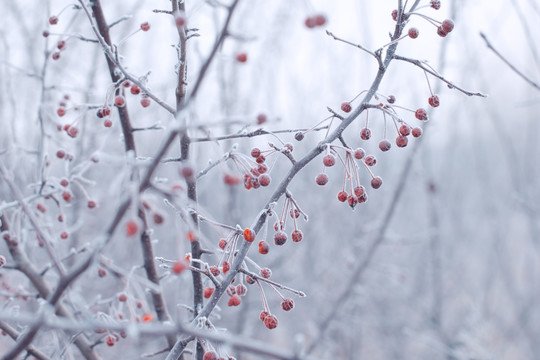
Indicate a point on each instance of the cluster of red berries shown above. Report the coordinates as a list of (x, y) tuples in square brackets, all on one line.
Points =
[(212, 355), (315, 21), (357, 193), (60, 46), (443, 28), (254, 169)]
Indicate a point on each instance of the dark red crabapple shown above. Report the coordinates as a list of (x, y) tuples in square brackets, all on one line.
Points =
[(416, 132), (53, 20), (405, 130), (226, 267), (394, 14), (320, 19), (261, 119), (376, 182), (370, 160), (413, 33), (255, 152), (352, 201), (263, 315), (287, 304), (264, 179), (250, 280), (342, 196), (91, 204), (55, 55), (135, 90), (266, 273), (321, 179), (249, 235), (436, 4), (401, 141), (241, 57), (131, 228), (120, 101), (365, 134), (60, 44), (109, 340), (434, 101), (61, 111), (385, 145), (297, 235), (158, 218), (64, 235), (234, 300), (329, 160), (241, 289), (260, 159), (179, 20), (310, 22), (299, 136), (145, 26), (441, 32), (359, 153), (391, 99), (107, 123), (280, 238), (447, 25), (210, 355), (179, 266), (421, 114), (271, 322), (263, 247), (346, 107), (214, 270), (359, 190)]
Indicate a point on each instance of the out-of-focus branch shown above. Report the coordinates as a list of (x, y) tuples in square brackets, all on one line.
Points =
[(510, 65)]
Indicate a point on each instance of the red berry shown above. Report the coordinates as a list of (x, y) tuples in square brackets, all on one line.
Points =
[(287, 304), (266, 273), (241, 289), (179, 266), (255, 152), (122, 297), (250, 280), (405, 130), (61, 44), (56, 55), (270, 321), (320, 20), (249, 235), (365, 134), (145, 26), (264, 179), (441, 32), (263, 247), (126, 84), (359, 153), (131, 228), (394, 14), (391, 99), (297, 235), (64, 235), (91, 204), (210, 355), (280, 238), (53, 20), (214, 270), (187, 172), (262, 168), (226, 267), (135, 90), (72, 131), (321, 179), (260, 159), (64, 182), (107, 123), (401, 141), (231, 179), (370, 160), (208, 291), (45, 33), (434, 101), (235, 300), (342, 196), (385, 145), (329, 160), (102, 272), (447, 25), (299, 136), (294, 213), (67, 196), (359, 191), (241, 57), (120, 101), (420, 114), (261, 119), (346, 107), (288, 147), (263, 315), (352, 201), (231, 290), (41, 208), (106, 111), (436, 4), (416, 132), (145, 101), (376, 182), (222, 244), (413, 33), (110, 340), (310, 22)]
